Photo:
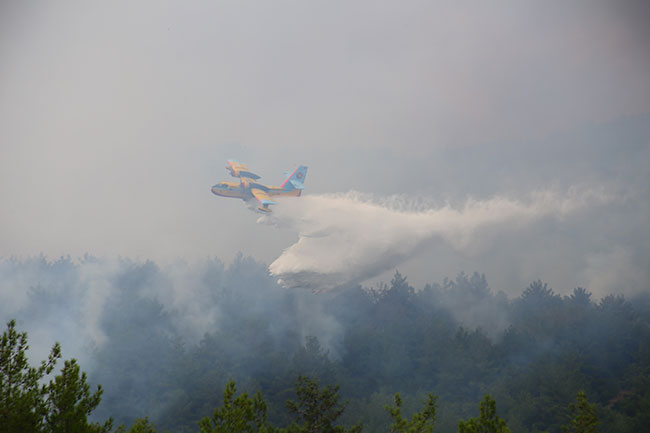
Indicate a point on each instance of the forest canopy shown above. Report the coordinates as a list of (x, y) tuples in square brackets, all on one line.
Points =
[(165, 342)]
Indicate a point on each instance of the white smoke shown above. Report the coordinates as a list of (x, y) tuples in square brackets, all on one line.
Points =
[(348, 238)]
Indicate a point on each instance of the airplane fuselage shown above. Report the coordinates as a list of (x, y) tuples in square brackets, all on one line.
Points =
[(242, 190), (230, 189), (249, 189)]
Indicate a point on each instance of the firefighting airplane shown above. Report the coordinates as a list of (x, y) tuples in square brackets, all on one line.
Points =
[(248, 188)]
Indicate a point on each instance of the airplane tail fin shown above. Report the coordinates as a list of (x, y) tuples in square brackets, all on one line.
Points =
[(296, 180)]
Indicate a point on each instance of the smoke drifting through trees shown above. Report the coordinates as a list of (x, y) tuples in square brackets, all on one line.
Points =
[(164, 340), (78, 302)]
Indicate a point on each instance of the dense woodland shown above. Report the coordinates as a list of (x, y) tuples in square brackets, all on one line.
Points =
[(171, 344)]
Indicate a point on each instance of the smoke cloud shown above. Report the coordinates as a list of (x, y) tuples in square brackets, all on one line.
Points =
[(350, 237)]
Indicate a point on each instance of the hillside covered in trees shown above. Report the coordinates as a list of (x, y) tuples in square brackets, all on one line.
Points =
[(165, 342)]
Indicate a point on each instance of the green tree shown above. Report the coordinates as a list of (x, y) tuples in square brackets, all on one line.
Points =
[(140, 425), (487, 422), (421, 422), (69, 402), (62, 406), (22, 397), (584, 419), (241, 414), (316, 411)]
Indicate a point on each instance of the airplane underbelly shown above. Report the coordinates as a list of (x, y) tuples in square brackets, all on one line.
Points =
[(231, 194), (235, 194)]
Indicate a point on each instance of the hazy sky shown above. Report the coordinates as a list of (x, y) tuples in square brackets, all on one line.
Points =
[(117, 117)]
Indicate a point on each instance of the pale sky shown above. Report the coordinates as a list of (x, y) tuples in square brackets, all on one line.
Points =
[(117, 117)]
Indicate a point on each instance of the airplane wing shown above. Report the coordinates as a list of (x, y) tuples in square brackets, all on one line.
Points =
[(237, 169), (236, 165), (262, 197)]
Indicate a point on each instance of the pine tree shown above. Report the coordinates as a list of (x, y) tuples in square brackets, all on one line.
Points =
[(26, 405), (316, 411), (140, 425), (22, 397), (487, 422), (69, 402), (240, 414), (584, 419), (421, 422)]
